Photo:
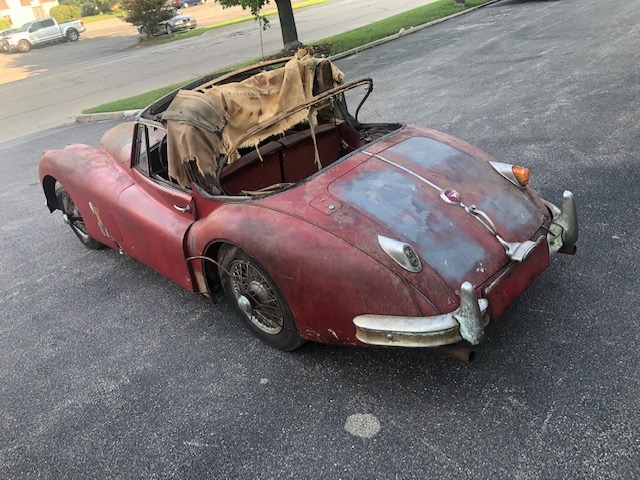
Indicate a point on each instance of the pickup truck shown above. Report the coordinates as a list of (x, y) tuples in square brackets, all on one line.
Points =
[(44, 30)]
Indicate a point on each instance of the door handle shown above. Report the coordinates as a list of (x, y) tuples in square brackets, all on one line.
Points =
[(186, 209)]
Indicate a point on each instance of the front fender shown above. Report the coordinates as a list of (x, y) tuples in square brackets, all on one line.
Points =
[(15, 38), (326, 281), (80, 169)]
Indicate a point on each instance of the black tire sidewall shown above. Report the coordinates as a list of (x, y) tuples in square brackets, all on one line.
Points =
[(288, 338), (87, 240)]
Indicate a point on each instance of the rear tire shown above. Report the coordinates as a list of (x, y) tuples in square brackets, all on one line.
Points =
[(74, 219), (24, 46), (257, 299), (168, 29), (72, 35)]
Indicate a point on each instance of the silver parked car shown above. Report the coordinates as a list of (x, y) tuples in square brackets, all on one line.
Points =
[(174, 24)]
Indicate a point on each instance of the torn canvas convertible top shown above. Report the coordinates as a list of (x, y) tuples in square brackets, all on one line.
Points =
[(204, 124)]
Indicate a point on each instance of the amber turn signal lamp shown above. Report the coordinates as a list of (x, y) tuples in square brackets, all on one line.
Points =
[(522, 175)]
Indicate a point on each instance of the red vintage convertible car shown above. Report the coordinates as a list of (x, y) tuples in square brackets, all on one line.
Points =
[(259, 184)]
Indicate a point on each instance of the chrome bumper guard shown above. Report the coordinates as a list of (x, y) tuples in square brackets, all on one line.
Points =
[(563, 231), (467, 322)]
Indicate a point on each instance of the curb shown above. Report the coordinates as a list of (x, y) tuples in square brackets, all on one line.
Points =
[(98, 117)]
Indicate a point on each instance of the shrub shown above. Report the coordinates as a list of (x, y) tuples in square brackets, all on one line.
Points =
[(65, 13), (89, 9), (4, 24), (92, 7), (106, 6), (146, 14)]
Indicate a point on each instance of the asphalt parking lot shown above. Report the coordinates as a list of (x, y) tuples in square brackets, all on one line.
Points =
[(110, 371)]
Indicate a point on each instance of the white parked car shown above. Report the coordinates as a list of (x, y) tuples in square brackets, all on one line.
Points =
[(45, 30)]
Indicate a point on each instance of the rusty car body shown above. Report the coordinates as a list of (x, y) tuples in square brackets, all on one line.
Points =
[(331, 230)]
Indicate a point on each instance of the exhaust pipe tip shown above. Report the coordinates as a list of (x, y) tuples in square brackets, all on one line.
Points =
[(568, 249), (464, 354)]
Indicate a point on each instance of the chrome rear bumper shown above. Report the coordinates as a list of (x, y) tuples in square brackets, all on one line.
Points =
[(467, 322), (563, 231)]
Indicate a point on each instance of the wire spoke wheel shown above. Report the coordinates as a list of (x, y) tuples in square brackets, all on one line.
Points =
[(263, 308), (256, 297), (73, 215)]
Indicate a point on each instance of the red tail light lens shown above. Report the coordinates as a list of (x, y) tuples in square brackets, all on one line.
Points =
[(452, 195)]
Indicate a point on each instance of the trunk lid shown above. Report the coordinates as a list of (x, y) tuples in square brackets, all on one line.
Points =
[(399, 187)]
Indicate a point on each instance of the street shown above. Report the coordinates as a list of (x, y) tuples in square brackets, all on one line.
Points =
[(58, 82), (108, 370)]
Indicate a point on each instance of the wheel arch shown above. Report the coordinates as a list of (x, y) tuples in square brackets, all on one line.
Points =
[(210, 273), (49, 188), (26, 42)]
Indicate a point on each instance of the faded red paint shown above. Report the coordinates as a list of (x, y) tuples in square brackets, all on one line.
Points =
[(326, 261)]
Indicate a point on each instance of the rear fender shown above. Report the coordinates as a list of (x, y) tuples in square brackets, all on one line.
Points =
[(326, 281)]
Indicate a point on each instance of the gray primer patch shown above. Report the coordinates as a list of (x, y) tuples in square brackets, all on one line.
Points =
[(427, 152), (452, 167), (362, 425), (398, 202)]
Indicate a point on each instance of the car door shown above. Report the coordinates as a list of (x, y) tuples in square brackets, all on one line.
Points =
[(44, 30), (35, 33), (50, 31), (154, 214)]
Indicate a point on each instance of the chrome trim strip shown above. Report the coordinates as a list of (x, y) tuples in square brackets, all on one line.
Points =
[(410, 172)]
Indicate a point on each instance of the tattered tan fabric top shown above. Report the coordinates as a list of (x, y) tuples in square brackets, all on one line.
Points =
[(203, 125)]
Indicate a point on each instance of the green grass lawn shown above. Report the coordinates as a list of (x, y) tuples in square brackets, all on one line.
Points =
[(104, 16), (332, 45), (134, 103), (384, 28)]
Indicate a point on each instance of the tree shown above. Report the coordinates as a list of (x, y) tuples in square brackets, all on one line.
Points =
[(146, 14), (285, 13)]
